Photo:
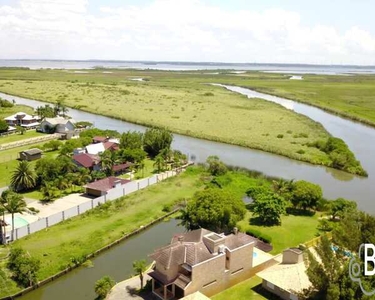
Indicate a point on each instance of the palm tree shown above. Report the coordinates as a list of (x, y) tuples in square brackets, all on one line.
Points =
[(14, 203), (108, 159), (49, 191), (2, 225), (83, 176), (159, 163), (103, 286), (139, 266), (23, 177), (20, 129), (62, 183)]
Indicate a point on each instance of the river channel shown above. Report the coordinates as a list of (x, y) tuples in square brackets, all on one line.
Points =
[(117, 262), (335, 183)]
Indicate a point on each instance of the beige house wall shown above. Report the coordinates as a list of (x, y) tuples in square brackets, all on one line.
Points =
[(278, 291)]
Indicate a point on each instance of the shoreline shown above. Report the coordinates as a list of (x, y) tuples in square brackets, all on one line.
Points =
[(198, 136), (335, 112), (91, 255)]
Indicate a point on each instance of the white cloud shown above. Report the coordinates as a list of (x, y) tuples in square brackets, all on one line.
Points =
[(188, 30)]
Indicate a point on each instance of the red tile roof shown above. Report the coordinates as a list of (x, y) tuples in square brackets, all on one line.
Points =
[(99, 139), (105, 184), (121, 167), (110, 145), (86, 160)]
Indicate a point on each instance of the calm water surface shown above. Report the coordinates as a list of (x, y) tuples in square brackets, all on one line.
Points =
[(115, 262)]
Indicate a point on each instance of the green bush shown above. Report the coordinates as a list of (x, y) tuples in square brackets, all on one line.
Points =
[(280, 136), (301, 151), (208, 94), (262, 236)]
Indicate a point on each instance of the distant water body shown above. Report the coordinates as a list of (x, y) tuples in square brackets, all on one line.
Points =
[(189, 66)]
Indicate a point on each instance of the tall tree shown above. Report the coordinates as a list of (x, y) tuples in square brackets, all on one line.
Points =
[(159, 163), (269, 208), (155, 140), (305, 194), (23, 177), (14, 203), (131, 140), (139, 267), (339, 206), (213, 209), (108, 160)]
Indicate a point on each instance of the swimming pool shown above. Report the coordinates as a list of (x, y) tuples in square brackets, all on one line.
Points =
[(18, 221)]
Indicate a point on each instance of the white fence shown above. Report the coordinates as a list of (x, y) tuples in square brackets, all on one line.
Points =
[(111, 195)]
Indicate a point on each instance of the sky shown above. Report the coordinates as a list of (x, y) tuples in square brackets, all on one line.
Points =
[(252, 31)]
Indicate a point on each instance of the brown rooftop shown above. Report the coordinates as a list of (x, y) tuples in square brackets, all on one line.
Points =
[(189, 248), (105, 184)]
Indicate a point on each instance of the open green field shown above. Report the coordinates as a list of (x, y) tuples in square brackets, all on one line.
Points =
[(181, 101), (19, 137), (348, 96), (293, 231)]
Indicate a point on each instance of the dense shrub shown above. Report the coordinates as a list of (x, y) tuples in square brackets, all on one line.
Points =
[(3, 126), (280, 136), (5, 103), (341, 156), (24, 267), (262, 236)]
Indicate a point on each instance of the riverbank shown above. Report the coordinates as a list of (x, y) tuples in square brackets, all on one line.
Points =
[(350, 97), (187, 108), (110, 222)]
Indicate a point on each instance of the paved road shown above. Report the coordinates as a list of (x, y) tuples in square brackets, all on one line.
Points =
[(126, 290)]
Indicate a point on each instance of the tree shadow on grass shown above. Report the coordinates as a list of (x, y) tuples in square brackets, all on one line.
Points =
[(258, 222), (300, 212), (264, 293)]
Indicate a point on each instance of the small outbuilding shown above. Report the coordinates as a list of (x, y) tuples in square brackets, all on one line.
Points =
[(31, 154), (101, 187)]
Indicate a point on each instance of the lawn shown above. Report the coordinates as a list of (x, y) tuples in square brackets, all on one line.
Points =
[(245, 290), (180, 102), (4, 139), (293, 231), (101, 226), (9, 162)]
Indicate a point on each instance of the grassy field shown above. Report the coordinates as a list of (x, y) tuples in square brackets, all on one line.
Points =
[(349, 96), (180, 102), (4, 139), (9, 162), (246, 290), (294, 230), (103, 225)]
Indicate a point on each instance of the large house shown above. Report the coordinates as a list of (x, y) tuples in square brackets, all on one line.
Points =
[(22, 119), (201, 260), (288, 278), (58, 125)]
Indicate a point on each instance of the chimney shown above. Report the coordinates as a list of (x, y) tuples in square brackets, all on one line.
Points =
[(181, 239), (235, 230), (292, 256)]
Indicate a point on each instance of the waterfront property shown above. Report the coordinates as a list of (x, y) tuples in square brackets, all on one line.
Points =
[(22, 119), (101, 187), (30, 155), (288, 278), (201, 260), (58, 125)]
